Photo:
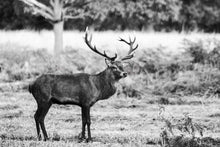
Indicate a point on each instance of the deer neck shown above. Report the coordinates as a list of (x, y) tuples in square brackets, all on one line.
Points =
[(106, 84)]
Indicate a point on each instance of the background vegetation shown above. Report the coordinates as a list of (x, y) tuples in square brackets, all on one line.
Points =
[(170, 98), (192, 70), (158, 15)]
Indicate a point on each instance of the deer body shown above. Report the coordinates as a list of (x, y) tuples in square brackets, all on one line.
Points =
[(80, 89)]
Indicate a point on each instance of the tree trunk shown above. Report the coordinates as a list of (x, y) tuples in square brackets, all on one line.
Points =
[(58, 38)]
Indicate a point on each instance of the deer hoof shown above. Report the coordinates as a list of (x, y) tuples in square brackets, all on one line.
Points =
[(39, 137), (81, 137), (45, 139), (81, 140), (88, 140)]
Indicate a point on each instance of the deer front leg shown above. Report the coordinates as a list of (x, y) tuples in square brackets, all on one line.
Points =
[(82, 134), (88, 122)]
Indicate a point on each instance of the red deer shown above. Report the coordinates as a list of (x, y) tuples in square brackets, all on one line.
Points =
[(80, 89)]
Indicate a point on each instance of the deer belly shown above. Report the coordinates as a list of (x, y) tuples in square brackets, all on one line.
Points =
[(65, 100), (64, 93)]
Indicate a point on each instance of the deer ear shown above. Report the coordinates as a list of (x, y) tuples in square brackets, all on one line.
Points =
[(108, 62)]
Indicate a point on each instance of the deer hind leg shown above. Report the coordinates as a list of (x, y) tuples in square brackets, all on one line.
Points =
[(43, 109), (36, 117)]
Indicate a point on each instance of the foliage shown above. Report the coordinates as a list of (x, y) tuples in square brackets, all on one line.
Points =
[(23, 64), (195, 71), (159, 15), (192, 72), (182, 132), (199, 14)]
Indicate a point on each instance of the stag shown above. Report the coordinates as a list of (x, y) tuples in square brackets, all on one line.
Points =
[(80, 89)]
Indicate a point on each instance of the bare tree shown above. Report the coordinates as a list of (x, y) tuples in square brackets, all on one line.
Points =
[(56, 12)]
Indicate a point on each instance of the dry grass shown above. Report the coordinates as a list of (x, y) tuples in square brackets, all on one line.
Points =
[(118, 121), (106, 40)]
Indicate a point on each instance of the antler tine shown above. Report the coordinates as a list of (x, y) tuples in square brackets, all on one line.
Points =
[(134, 40), (131, 42), (124, 41), (131, 50), (88, 41)]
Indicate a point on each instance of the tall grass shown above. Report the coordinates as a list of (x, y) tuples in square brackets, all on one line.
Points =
[(164, 63), (105, 40), (192, 69)]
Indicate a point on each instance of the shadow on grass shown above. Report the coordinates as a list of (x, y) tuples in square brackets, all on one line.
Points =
[(126, 140), (15, 137), (9, 107), (215, 115), (174, 101), (12, 115), (106, 139), (180, 141), (34, 138)]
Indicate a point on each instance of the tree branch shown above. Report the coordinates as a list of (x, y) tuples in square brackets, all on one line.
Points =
[(76, 4), (68, 8), (74, 17), (43, 13), (52, 3), (35, 4)]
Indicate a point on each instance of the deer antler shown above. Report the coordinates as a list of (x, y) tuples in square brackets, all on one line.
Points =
[(88, 41), (132, 48)]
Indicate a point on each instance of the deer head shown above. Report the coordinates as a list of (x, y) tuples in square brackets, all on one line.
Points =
[(115, 67)]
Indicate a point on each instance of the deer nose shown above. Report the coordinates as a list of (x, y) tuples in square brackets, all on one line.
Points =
[(125, 74)]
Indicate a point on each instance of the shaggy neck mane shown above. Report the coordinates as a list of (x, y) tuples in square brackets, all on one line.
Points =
[(106, 84)]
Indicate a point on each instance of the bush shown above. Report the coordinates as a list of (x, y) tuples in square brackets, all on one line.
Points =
[(197, 51), (19, 65), (183, 132), (194, 71)]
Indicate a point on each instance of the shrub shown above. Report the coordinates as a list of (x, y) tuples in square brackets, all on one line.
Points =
[(18, 65), (183, 132), (197, 51), (194, 71)]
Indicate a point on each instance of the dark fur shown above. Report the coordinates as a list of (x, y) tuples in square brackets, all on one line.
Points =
[(80, 89), (30, 88)]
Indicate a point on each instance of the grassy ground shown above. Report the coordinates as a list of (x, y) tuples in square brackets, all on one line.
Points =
[(118, 121)]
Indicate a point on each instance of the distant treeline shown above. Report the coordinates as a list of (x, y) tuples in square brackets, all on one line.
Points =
[(158, 15)]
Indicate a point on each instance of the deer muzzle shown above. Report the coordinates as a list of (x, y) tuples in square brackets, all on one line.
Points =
[(124, 74)]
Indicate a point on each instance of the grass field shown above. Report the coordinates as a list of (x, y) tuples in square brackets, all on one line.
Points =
[(104, 40), (118, 121)]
